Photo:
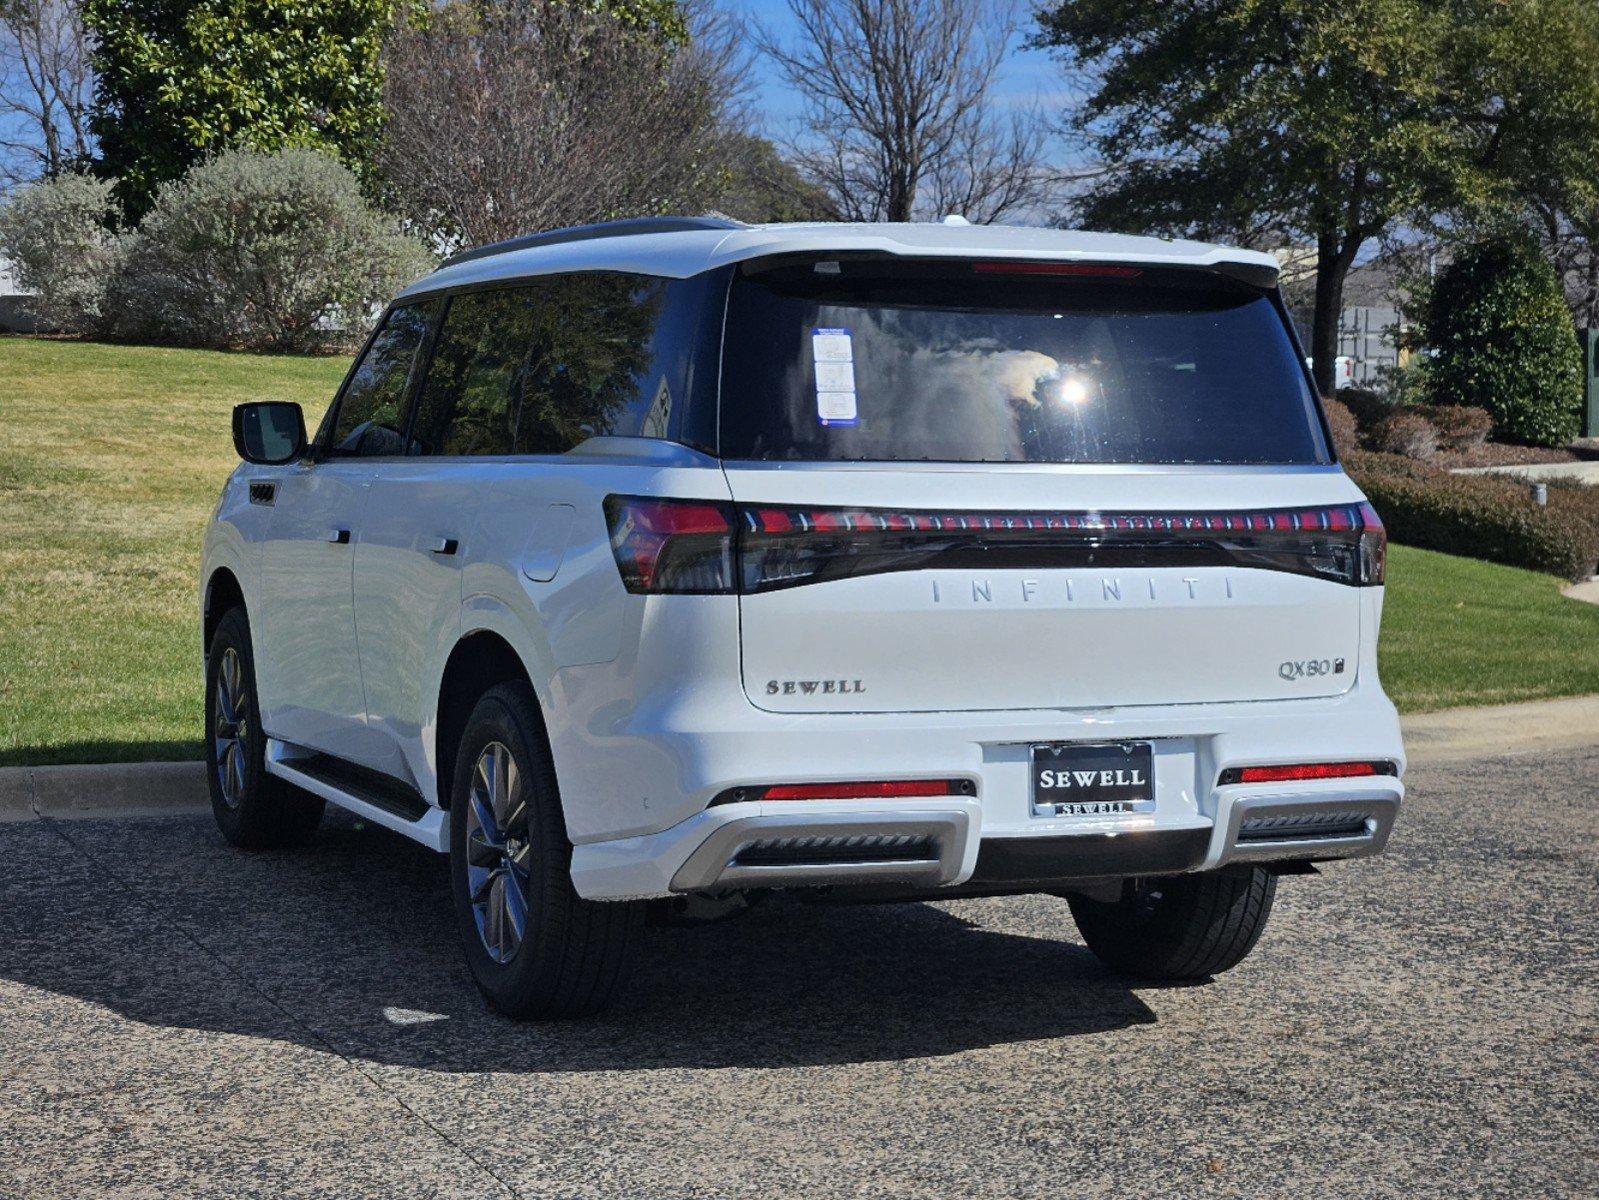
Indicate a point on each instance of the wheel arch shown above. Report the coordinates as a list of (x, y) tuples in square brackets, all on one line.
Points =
[(223, 592), (479, 660)]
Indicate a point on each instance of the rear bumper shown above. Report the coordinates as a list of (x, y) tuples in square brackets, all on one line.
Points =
[(917, 847), (991, 839)]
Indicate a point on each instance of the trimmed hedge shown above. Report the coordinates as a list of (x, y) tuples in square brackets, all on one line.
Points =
[(1345, 432), (1480, 516)]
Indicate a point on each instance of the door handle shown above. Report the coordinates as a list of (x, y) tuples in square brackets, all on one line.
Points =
[(444, 545), (339, 537)]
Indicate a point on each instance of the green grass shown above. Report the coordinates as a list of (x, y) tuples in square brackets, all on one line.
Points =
[(1457, 631), (111, 458)]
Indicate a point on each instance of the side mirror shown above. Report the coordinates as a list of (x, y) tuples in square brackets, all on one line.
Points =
[(269, 431)]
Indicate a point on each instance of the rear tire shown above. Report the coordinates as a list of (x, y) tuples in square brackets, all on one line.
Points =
[(535, 947), (254, 810), (1185, 928)]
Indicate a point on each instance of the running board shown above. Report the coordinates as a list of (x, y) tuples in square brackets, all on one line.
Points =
[(367, 794)]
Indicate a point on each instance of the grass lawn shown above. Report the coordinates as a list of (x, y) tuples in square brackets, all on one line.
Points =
[(1457, 631), (111, 458)]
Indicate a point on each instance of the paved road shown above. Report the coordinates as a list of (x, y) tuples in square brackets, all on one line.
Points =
[(179, 1019)]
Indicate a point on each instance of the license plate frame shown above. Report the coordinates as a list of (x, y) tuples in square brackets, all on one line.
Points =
[(1123, 783)]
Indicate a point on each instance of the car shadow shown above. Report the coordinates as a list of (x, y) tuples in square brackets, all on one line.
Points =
[(348, 944)]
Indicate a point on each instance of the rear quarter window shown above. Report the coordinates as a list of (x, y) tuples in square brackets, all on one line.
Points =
[(541, 366), (875, 361)]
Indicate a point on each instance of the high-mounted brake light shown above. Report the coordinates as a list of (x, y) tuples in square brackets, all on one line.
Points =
[(672, 545), (1082, 270), (1298, 772)]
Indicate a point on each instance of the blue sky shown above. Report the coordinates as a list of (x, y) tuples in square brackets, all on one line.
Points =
[(1029, 75)]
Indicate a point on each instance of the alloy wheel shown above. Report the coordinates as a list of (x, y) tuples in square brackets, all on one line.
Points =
[(230, 728), (498, 852)]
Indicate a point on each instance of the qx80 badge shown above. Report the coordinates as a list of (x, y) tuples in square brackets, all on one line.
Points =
[(1310, 668)]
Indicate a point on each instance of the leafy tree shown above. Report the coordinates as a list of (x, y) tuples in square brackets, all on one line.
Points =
[(1271, 121), (179, 80), (1502, 340), (762, 186)]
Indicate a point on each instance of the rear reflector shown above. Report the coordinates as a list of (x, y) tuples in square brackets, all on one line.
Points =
[(869, 789), (1296, 772), (882, 789)]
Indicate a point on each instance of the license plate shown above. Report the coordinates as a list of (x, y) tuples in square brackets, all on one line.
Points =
[(1081, 779)]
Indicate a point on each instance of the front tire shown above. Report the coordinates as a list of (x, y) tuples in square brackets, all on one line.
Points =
[(535, 947), (1185, 928), (253, 810)]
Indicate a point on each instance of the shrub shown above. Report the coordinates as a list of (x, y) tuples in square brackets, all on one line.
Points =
[(1405, 432), (1345, 433), (1367, 406), (1504, 342), (262, 251), (58, 234), (1460, 426), (1480, 516)]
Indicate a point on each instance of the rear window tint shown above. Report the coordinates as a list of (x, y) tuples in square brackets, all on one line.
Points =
[(950, 362)]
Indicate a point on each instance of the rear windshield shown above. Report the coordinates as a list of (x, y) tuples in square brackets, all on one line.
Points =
[(996, 362)]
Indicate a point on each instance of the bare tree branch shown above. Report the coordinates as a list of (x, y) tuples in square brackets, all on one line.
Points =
[(504, 118), (898, 117), (44, 89)]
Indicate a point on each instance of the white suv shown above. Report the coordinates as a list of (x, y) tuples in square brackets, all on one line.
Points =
[(656, 564)]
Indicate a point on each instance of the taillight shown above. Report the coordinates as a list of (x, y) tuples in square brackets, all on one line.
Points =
[(672, 545), (710, 546), (781, 546), (1373, 547), (1298, 772)]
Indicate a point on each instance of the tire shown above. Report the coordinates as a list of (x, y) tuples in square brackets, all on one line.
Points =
[(1185, 928), (253, 810), (509, 853)]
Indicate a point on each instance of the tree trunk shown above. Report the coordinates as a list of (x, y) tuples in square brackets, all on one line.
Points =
[(1334, 256)]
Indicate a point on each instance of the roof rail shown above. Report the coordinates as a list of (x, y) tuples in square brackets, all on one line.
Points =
[(605, 229)]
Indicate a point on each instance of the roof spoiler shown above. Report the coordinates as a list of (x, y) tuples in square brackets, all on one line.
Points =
[(605, 229)]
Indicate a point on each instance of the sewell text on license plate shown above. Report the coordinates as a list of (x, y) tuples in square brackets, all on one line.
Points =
[(1093, 779)]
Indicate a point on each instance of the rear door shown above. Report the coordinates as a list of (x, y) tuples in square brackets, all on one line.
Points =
[(983, 486)]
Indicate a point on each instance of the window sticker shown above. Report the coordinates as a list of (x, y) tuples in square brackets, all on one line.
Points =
[(833, 357)]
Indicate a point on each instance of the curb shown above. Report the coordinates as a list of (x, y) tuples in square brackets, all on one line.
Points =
[(103, 789), (1458, 733)]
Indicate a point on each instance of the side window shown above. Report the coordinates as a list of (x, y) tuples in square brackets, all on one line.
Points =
[(540, 367), (371, 415)]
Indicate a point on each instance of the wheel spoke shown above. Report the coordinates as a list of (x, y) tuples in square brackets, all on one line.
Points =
[(498, 856), (479, 880), (487, 830), (515, 906)]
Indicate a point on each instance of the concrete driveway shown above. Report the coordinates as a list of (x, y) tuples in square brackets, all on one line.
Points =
[(178, 1019)]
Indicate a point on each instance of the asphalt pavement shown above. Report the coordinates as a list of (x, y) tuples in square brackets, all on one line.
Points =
[(180, 1019)]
